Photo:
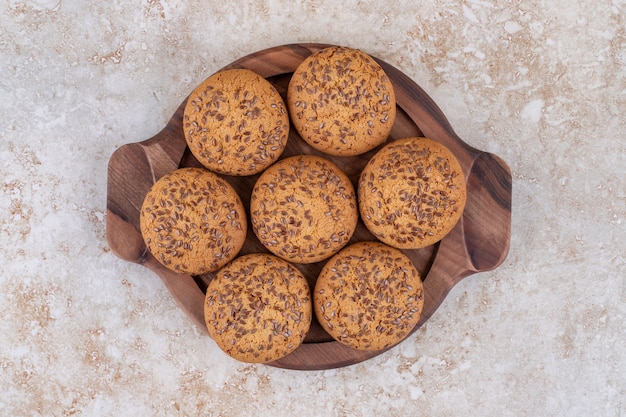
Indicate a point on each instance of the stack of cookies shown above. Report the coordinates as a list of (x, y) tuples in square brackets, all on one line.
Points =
[(303, 208)]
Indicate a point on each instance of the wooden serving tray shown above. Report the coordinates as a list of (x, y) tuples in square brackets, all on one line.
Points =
[(479, 242)]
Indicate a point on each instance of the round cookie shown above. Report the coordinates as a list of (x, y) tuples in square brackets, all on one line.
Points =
[(412, 193), (368, 296), (193, 221), (303, 209), (258, 308), (341, 101), (236, 123)]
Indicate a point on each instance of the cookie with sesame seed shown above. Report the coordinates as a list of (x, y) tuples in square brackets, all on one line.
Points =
[(341, 101), (369, 296), (258, 308), (412, 193), (303, 209), (193, 221), (236, 123)]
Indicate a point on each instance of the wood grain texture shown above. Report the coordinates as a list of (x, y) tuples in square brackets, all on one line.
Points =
[(479, 242)]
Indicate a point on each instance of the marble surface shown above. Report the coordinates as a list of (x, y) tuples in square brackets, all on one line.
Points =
[(540, 83)]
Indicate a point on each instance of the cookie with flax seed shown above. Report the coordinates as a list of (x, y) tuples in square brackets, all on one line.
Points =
[(341, 101), (258, 308), (412, 192), (303, 209), (193, 221), (236, 123), (369, 296)]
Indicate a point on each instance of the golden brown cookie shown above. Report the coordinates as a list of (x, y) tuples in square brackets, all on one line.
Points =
[(303, 209), (236, 123), (341, 101), (258, 308), (369, 296), (193, 221), (412, 193)]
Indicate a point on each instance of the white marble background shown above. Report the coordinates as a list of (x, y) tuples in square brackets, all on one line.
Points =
[(540, 83)]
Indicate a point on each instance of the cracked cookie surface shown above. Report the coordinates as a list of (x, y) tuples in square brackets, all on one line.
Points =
[(368, 296), (412, 193), (193, 221), (236, 123), (303, 209), (258, 308), (341, 101)]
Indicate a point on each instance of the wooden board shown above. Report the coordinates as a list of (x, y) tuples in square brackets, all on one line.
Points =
[(479, 242)]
